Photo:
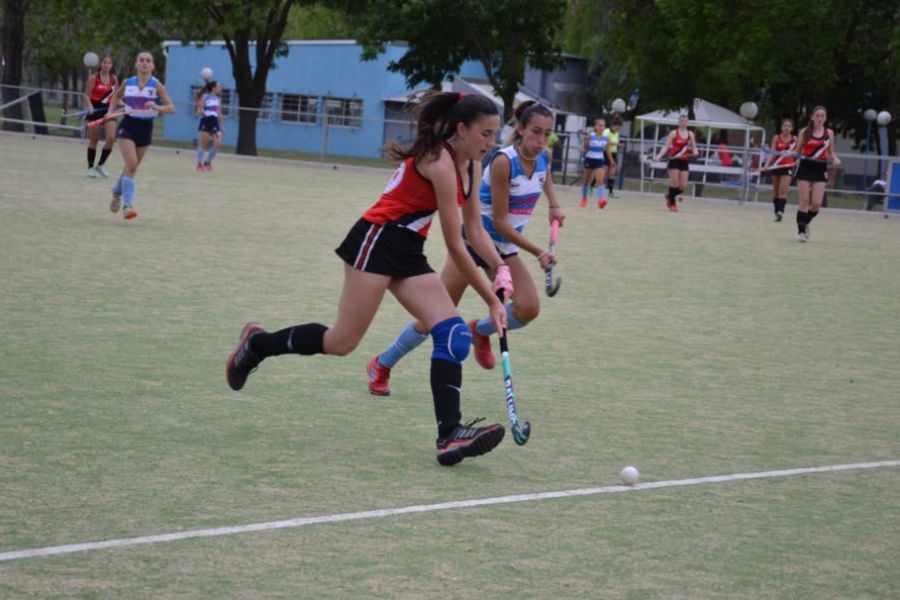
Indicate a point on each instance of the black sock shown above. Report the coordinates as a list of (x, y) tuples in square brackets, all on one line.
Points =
[(776, 204), (802, 220), (673, 193), (301, 339), (811, 215), (104, 154), (610, 184), (446, 382), (92, 155), (782, 204)]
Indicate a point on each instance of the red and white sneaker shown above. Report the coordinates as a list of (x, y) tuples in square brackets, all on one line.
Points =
[(129, 214), (483, 353), (207, 166), (379, 376), (584, 203), (602, 204), (200, 168)]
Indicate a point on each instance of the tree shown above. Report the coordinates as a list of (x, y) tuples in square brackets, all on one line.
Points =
[(786, 55), (502, 35), (12, 42)]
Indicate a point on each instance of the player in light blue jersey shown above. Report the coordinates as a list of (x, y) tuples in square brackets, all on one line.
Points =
[(209, 109), (143, 97), (596, 160), (512, 184)]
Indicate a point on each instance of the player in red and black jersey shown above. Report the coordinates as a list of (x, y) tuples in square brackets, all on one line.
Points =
[(384, 252), (682, 147), (816, 151), (98, 90), (780, 165)]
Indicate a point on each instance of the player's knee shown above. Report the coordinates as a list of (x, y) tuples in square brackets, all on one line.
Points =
[(452, 340), (526, 312)]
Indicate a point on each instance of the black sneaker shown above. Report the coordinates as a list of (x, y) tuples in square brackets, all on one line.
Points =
[(242, 361), (466, 441)]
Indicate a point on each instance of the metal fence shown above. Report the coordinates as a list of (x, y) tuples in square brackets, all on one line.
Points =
[(858, 180)]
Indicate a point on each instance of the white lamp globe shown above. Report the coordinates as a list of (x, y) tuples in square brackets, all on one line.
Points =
[(90, 59), (883, 118), (618, 105), (749, 110), (870, 114)]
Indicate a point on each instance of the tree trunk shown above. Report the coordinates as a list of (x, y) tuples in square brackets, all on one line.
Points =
[(12, 40)]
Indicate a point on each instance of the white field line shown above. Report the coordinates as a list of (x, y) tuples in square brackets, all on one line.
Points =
[(424, 508)]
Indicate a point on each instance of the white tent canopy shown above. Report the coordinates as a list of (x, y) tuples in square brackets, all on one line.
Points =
[(707, 117)]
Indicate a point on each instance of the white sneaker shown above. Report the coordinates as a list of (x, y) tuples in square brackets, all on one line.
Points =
[(802, 236), (102, 170), (116, 203), (91, 172)]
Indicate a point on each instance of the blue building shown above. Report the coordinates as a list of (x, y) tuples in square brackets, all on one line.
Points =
[(320, 95)]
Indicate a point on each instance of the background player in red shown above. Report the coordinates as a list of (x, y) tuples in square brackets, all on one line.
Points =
[(682, 147), (816, 148), (98, 91), (780, 165), (384, 252)]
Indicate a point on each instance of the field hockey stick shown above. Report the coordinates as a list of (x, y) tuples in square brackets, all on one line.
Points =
[(106, 118), (551, 286), (520, 432)]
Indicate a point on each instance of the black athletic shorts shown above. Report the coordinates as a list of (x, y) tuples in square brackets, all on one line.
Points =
[(140, 131), (384, 249), (812, 170), (678, 163), (99, 110), (781, 171), (209, 124), (594, 163), (480, 261)]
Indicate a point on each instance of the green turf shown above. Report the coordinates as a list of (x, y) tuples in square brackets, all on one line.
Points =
[(700, 343)]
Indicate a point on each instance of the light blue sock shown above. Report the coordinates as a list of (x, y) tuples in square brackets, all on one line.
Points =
[(486, 327), (405, 343), (128, 190), (212, 154), (117, 188), (199, 156), (601, 192)]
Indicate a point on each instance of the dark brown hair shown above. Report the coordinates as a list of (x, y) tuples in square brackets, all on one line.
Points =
[(524, 113), (438, 114)]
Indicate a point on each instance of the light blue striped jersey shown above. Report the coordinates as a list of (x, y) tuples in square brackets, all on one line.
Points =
[(597, 145), (136, 97), (211, 105), (524, 193)]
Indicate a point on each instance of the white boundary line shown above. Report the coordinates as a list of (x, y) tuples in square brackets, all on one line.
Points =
[(424, 508)]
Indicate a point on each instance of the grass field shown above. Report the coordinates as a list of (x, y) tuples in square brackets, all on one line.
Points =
[(707, 342)]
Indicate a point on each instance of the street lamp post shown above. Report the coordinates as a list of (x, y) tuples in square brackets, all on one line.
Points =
[(883, 118), (869, 115), (749, 110)]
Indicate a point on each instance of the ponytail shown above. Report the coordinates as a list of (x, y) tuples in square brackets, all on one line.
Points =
[(523, 115), (437, 115)]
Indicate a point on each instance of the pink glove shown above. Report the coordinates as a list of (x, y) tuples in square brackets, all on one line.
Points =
[(503, 280)]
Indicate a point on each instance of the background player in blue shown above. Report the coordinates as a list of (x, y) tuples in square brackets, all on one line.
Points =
[(384, 252), (209, 107), (510, 189), (144, 96), (596, 159)]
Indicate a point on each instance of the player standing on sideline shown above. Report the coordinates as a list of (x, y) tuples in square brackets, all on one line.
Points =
[(780, 165), (682, 147), (612, 133), (384, 252), (209, 109), (144, 96), (510, 189), (98, 92), (816, 145), (595, 154)]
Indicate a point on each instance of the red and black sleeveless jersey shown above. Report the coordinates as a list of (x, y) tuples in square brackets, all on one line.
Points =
[(680, 146), (409, 200), (816, 147), (100, 89), (784, 146)]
